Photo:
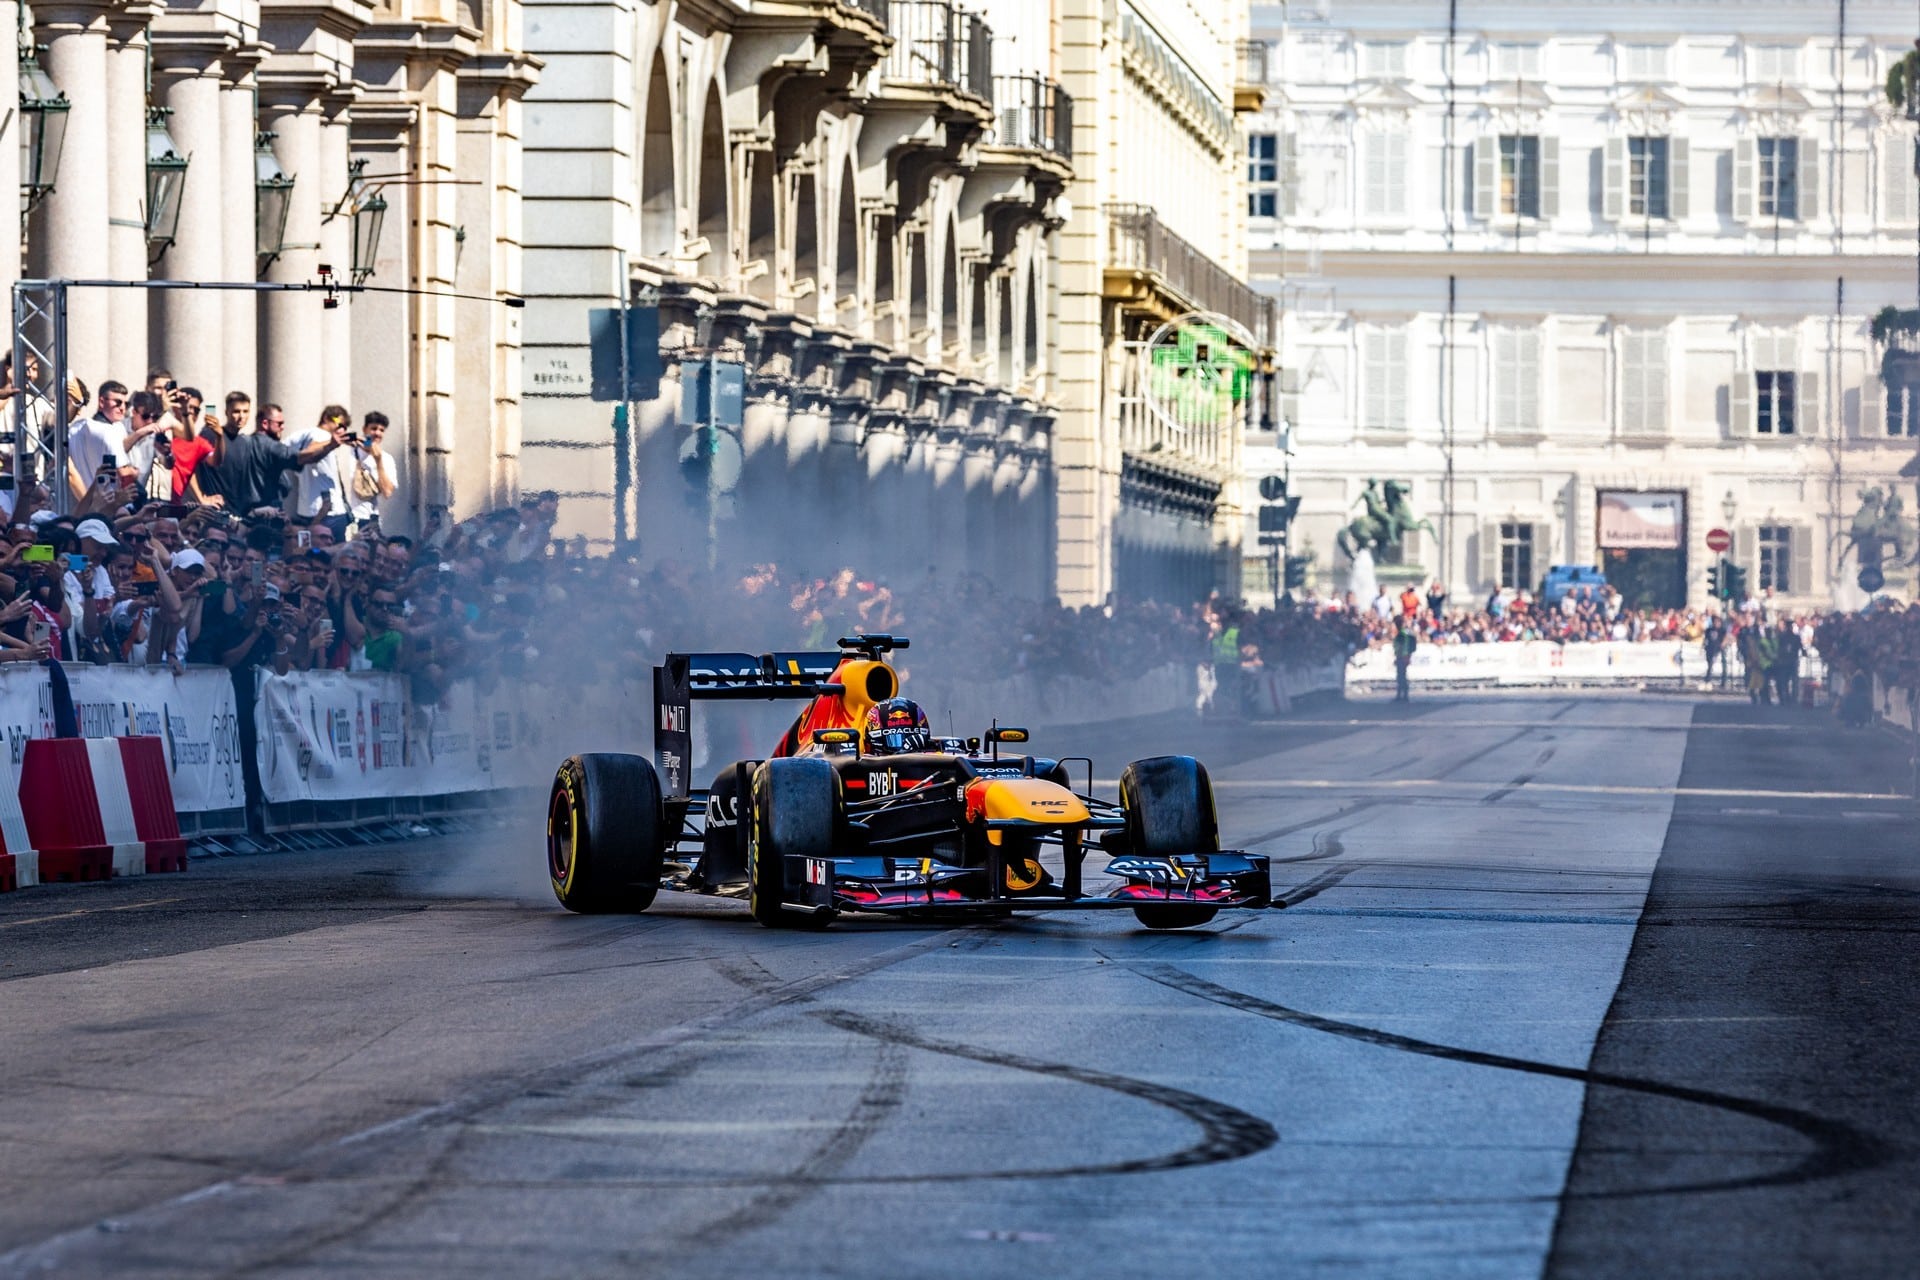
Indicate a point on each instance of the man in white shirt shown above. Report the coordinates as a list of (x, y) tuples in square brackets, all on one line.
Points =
[(369, 473), (318, 487), (92, 440), (41, 416)]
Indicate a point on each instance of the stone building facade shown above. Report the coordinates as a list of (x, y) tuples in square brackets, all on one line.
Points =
[(327, 107), (895, 214), (1569, 277)]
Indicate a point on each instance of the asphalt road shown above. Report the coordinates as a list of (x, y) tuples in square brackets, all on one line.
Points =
[(1596, 986)]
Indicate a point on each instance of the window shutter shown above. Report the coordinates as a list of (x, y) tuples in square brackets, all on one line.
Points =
[(1897, 205), (1740, 404), (1543, 550), (1486, 176), (1873, 407), (1800, 581), (1397, 385), (1806, 405), (1614, 180), (1549, 178), (1744, 165), (1679, 167), (1807, 160), (1746, 554), (1289, 174), (1489, 556), (1527, 370)]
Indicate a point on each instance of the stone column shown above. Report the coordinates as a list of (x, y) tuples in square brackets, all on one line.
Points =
[(9, 145), (126, 182), (239, 235), (68, 232), (336, 250), (383, 364), (189, 325), (291, 357)]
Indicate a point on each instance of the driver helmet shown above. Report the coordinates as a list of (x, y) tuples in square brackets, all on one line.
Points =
[(895, 726)]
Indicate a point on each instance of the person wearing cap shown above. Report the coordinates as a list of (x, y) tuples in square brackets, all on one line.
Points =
[(162, 626), (92, 440), (85, 587)]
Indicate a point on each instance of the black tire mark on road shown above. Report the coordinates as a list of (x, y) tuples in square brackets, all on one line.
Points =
[(1318, 885), (1304, 824), (1227, 1133), (1495, 797), (1838, 1148)]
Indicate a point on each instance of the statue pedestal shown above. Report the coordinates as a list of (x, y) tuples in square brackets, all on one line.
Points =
[(1361, 580), (1395, 576)]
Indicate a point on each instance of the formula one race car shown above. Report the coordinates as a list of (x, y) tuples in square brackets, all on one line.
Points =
[(842, 820)]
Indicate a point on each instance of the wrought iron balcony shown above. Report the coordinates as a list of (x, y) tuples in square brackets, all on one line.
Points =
[(1141, 242), (938, 43), (1033, 113)]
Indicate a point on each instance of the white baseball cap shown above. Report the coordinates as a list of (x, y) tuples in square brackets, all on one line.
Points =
[(189, 559), (98, 531)]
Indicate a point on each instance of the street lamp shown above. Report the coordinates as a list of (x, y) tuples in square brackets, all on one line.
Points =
[(368, 218), (1728, 506), (43, 112), (166, 177), (272, 198)]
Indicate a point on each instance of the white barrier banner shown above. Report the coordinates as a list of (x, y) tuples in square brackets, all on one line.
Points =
[(1525, 662), (193, 714), (336, 735)]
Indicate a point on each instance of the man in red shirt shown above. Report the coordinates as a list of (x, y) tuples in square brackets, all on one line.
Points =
[(190, 447)]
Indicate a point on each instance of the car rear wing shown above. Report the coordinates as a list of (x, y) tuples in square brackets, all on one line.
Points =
[(685, 677)]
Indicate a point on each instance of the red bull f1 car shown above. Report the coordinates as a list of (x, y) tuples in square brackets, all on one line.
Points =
[(833, 824)]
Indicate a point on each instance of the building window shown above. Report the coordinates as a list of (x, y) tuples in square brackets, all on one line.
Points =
[(1903, 411), (1647, 177), (1776, 559), (1516, 381), (1383, 60), (1386, 175), (1263, 175), (1516, 556), (1516, 62), (1898, 168), (1774, 411), (1383, 372), (1642, 62), (1643, 382), (1779, 177), (1519, 175), (1773, 63)]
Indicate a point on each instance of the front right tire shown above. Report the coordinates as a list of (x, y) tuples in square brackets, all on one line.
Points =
[(1168, 801)]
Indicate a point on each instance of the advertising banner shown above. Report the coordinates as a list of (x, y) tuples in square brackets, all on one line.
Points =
[(1533, 662), (193, 714), (1642, 521)]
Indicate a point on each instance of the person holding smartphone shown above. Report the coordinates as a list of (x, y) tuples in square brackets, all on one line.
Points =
[(91, 441)]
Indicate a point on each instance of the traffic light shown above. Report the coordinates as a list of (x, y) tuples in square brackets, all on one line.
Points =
[(1714, 584), (1736, 582), (1297, 571)]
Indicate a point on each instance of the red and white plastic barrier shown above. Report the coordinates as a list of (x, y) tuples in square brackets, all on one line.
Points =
[(19, 860), (99, 807)]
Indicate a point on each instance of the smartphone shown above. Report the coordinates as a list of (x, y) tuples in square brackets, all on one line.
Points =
[(77, 562), (38, 553), (303, 539), (256, 573), (146, 588), (176, 510)]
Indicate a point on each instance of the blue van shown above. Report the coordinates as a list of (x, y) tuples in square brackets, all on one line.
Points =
[(1577, 578)]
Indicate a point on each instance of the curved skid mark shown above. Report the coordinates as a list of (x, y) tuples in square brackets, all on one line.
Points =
[(1227, 1133), (1838, 1148)]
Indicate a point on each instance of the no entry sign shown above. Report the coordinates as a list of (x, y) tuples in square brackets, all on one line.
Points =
[(1718, 540)]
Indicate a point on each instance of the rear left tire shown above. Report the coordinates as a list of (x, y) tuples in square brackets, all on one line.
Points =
[(605, 833)]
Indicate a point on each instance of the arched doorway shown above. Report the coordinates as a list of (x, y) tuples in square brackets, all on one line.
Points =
[(761, 237), (715, 222), (658, 192), (950, 332), (806, 233)]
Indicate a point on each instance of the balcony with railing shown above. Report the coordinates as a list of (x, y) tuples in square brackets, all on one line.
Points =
[(1146, 254), (940, 44), (1032, 113), (1250, 74)]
